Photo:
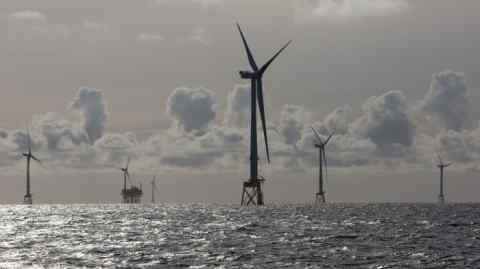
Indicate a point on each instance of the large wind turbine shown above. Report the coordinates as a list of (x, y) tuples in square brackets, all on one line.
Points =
[(322, 161), (441, 165), (255, 76), (27, 199)]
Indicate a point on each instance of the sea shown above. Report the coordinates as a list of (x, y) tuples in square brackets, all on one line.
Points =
[(229, 236)]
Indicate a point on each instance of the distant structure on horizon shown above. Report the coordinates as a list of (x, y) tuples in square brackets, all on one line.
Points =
[(27, 198), (154, 189), (442, 166), (132, 195), (322, 161), (252, 188)]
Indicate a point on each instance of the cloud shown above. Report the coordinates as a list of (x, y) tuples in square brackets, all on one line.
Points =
[(291, 125), (31, 16), (446, 102), (386, 123), (90, 103), (338, 120), (191, 109), (146, 38), (345, 9), (238, 107), (198, 36)]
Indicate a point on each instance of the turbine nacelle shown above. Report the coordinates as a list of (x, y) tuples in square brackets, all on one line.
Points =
[(248, 75)]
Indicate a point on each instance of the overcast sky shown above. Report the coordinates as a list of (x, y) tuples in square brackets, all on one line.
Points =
[(158, 80)]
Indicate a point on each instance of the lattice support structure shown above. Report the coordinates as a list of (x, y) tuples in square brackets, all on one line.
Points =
[(252, 193)]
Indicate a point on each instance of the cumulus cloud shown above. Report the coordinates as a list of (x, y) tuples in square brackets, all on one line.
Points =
[(386, 123), (344, 9), (191, 109), (291, 125), (32, 16), (382, 133), (90, 103), (446, 102), (238, 107)]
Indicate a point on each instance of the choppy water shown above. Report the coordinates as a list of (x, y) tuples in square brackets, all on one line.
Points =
[(212, 236)]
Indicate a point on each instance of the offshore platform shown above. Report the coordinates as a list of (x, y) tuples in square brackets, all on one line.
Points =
[(132, 195)]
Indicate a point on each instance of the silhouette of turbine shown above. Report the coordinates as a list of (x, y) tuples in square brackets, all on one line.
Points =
[(442, 166), (126, 175), (255, 76), (27, 199), (154, 189), (322, 161)]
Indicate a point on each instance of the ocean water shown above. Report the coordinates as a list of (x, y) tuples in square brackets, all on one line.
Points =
[(216, 236)]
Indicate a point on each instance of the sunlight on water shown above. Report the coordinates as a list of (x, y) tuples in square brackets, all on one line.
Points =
[(212, 236)]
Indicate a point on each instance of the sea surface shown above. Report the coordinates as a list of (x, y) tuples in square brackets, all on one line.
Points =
[(217, 236)]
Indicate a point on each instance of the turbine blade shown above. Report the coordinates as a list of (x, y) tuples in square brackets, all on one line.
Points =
[(439, 158), (128, 162), (447, 165), (262, 115), (29, 140), (317, 134), (265, 66), (328, 138), (251, 60)]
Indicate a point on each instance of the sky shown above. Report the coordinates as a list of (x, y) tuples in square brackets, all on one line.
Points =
[(157, 80)]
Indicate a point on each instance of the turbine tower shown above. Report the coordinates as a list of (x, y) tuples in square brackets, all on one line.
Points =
[(27, 199), (252, 189), (442, 166), (125, 176), (322, 161), (154, 189)]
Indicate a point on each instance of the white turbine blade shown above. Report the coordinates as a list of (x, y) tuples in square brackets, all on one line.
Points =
[(128, 162)]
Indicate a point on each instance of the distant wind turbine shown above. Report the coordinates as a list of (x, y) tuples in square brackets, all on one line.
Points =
[(255, 76), (322, 161), (126, 176), (27, 199), (442, 166)]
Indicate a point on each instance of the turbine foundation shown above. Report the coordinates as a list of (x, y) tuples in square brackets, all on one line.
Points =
[(252, 192), (320, 198), (27, 199)]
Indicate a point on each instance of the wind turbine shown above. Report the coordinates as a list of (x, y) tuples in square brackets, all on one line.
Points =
[(125, 176), (154, 189), (441, 165), (252, 188), (322, 161), (27, 199)]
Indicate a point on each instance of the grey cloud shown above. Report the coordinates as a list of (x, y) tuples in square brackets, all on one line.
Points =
[(386, 123), (29, 16), (191, 109), (238, 107), (446, 100), (291, 125), (91, 104)]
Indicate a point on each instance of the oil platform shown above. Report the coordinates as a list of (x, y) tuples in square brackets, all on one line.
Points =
[(132, 195)]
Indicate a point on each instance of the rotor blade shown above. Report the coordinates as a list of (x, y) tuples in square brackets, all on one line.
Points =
[(317, 134), (328, 138), (447, 165), (29, 140), (251, 60), (265, 66), (262, 115), (38, 161), (439, 158), (128, 162)]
